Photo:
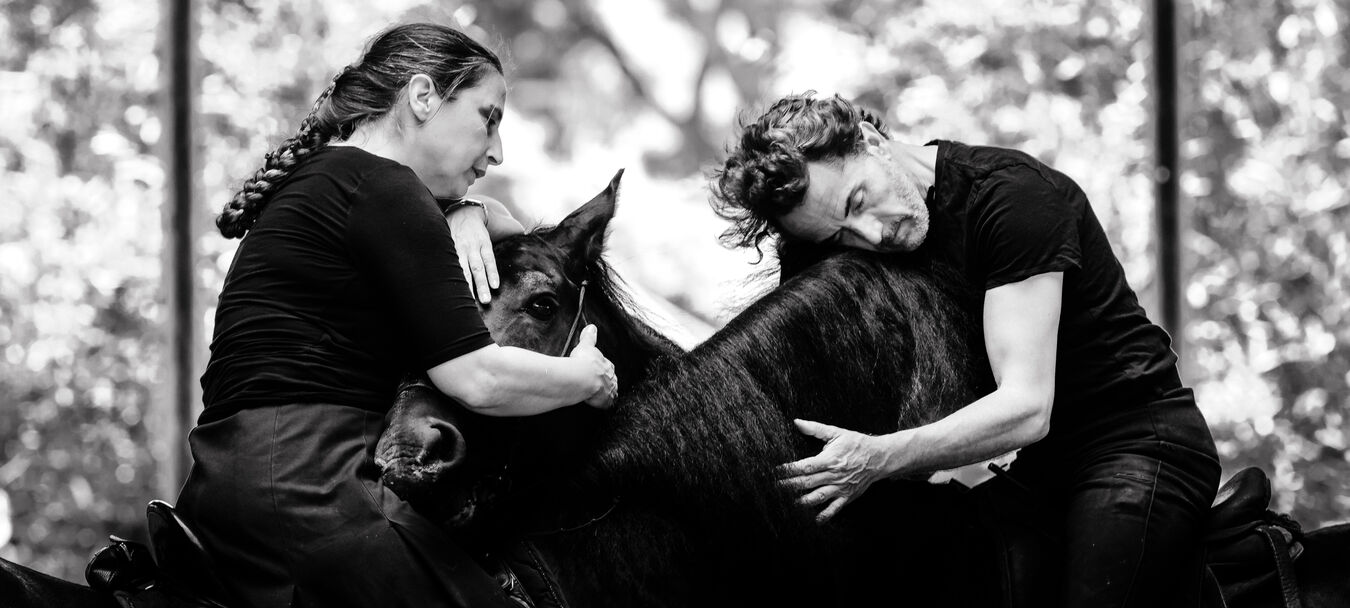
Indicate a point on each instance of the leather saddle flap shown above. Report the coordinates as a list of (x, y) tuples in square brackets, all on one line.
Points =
[(181, 556), (1240, 501)]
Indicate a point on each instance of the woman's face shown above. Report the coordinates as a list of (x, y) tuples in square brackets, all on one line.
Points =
[(455, 146)]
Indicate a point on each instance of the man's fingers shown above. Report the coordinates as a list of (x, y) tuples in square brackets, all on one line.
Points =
[(805, 466), (819, 496), (818, 430), (807, 482), (832, 510)]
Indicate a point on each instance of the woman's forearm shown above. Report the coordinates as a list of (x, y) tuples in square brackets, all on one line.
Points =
[(508, 381), (500, 223)]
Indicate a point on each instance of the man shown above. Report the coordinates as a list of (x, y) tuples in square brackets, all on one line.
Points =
[(1087, 387)]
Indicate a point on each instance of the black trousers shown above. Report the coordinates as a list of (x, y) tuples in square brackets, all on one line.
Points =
[(287, 499), (1124, 500)]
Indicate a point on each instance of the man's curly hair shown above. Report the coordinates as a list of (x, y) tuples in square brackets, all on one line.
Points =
[(765, 175)]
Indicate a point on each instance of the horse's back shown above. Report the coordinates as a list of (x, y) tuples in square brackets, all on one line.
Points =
[(1324, 568), (22, 587)]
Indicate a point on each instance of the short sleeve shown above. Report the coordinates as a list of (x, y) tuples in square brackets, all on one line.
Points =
[(1026, 226), (402, 244)]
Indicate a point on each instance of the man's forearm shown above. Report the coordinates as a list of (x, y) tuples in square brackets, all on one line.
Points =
[(998, 423)]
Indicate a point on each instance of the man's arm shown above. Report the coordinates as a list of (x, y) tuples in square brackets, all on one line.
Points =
[(1021, 328)]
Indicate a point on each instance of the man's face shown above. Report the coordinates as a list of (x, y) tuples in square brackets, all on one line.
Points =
[(863, 201)]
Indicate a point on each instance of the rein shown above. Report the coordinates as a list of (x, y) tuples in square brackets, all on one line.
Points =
[(563, 528)]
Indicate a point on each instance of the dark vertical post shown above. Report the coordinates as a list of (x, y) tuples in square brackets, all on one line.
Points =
[(1167, 209), (179, 282)]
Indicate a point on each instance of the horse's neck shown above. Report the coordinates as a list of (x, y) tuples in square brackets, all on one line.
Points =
[(628, 341)]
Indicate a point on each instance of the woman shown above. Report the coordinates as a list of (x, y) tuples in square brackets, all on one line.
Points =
[(347, 277)]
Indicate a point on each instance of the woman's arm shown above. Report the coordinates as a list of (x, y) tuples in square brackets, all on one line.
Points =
[(1021, 328), (474, 229), (500, 222), (508, 381)]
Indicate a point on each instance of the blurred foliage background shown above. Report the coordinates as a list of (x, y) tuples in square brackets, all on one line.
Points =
[(655, 87)]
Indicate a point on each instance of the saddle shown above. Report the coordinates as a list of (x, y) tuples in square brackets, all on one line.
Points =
[(1249, 549), (175, 571)]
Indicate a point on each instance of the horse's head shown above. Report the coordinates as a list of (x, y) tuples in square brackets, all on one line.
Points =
[(543, 274), (450, 460)]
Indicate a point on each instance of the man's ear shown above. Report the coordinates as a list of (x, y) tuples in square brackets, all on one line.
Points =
[(873, 141), (422, 97)]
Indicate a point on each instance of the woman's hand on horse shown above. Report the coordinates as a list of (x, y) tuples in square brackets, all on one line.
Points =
[(473, 245), (604, 396), (849, 463)]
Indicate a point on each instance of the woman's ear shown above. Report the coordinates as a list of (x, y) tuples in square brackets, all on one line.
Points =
[(873, 140), (422, 98)]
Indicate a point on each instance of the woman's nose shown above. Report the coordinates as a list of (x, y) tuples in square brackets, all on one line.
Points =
[(495, 154)]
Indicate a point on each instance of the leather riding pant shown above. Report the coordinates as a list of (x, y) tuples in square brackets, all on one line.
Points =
[(1126, 499)]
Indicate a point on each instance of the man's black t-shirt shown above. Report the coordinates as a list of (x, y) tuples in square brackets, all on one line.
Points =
[(1001, 216), (348, 280)]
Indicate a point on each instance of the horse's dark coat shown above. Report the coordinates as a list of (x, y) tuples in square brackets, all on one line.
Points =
[(694, 449)]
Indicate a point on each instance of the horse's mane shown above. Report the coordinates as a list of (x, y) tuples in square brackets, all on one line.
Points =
[(860, 340), (863, 341)]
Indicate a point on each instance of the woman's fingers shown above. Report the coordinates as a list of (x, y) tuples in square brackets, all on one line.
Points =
[(586, 337), (480, 279), (490, 264), (473, 245), (609, 383)]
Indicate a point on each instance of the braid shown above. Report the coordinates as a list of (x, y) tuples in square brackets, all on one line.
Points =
[(358, 94), (247, 204)]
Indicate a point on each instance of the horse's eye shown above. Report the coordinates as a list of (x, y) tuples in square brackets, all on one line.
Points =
[(542, 307)]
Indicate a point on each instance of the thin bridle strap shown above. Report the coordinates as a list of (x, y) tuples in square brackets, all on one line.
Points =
[(576, 320), (580, 318)]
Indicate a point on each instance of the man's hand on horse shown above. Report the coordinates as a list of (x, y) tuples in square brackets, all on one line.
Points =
[(849, 463)]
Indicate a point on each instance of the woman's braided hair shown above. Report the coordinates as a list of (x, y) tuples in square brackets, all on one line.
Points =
[(765, 176), (361, 93)]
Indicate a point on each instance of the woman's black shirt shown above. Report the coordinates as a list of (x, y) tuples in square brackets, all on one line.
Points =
[(348, 280)]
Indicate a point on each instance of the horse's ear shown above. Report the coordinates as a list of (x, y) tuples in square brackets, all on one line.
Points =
[(582, 233)]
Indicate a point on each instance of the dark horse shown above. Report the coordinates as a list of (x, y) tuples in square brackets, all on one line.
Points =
[(680, 477), (671, 499)]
